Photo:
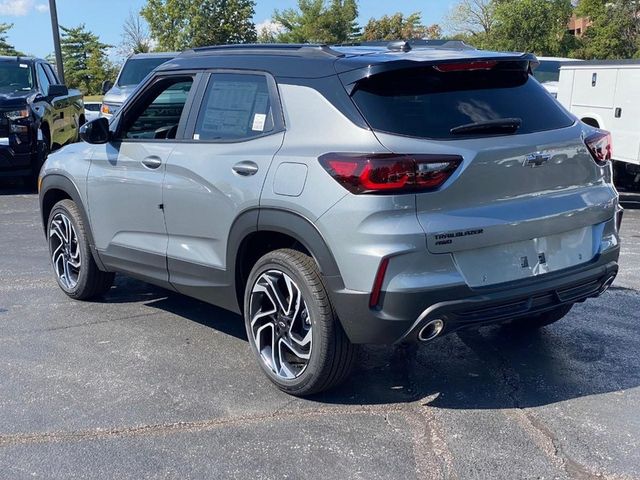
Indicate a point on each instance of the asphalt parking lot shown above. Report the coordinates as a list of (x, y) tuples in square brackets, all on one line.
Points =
[(150, 384)]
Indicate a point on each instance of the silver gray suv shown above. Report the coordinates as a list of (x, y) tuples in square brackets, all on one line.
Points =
[(340, 196)]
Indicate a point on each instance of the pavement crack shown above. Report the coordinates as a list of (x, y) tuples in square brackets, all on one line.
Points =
[(545, 439), (192, 426), (88, 324), (433, 459)]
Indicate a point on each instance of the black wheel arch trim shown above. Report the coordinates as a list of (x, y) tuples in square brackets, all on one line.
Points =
[(282, 221), (66, 185), (304, 231)]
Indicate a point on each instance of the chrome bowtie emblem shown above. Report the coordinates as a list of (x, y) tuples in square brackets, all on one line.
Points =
[(536, 159)]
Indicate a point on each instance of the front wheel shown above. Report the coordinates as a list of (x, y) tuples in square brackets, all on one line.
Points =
[(292, 326), (73, 264)]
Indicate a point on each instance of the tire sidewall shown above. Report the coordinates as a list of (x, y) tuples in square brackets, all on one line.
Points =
[(63, 208), (319, 322)]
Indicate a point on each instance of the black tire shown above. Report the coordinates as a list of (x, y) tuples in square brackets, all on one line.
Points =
[(89, 281), (542, 319), (332, 355)]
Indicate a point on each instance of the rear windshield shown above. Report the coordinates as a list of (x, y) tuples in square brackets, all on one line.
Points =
[(135, 69), (427, 103)]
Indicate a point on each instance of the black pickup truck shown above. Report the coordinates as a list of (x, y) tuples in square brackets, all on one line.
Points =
[(37, 115)]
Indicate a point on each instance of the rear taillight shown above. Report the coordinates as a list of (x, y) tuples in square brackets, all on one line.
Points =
[(389, 173), (599, 144)]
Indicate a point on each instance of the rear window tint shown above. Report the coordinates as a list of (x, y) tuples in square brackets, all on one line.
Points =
[(426, 103)]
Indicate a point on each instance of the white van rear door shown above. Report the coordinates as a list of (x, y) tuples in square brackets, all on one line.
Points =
[(625, 126)]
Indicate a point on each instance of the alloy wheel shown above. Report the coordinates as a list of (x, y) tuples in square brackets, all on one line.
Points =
[(65, 250), (280, 324)]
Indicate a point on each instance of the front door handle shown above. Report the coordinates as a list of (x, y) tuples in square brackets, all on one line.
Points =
[(245, 168), (152, 162)]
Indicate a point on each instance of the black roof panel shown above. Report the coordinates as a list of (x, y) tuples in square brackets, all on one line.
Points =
[(316, 61)]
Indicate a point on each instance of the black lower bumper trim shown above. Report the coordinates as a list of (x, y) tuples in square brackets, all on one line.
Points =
[(403, 314)]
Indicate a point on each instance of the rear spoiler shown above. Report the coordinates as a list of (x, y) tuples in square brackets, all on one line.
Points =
[(352, 77)]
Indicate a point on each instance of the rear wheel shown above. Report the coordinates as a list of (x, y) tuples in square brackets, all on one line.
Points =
[(292, 327), (542, 319), (75, 269)]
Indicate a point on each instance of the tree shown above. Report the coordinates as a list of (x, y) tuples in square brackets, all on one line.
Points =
[(314, 21), (5, 47), (218, 22), (615, 31), (86, 64), (538, 26), (135, 36), (180, 24), (471, 18), (399, 27)]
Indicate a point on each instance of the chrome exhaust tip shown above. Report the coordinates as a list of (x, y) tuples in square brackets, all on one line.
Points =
[(431, 330), (607, 283)]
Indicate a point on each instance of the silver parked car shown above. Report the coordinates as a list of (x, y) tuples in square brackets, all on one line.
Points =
[(340, 196), (134, 71)]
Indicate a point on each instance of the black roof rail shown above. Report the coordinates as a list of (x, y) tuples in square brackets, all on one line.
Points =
[(277, 48)]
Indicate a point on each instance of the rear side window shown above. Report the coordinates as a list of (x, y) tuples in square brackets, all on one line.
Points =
[(427, 103), (235, 107)]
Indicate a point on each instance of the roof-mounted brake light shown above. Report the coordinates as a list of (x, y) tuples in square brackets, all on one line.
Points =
[(466, 66)]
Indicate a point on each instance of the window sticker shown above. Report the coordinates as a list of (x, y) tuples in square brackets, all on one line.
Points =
[(196, 136), (24, 65), (259, 120)]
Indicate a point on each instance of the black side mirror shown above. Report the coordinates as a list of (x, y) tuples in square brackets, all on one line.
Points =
[(57, 91), (96, 131), (106, 86)]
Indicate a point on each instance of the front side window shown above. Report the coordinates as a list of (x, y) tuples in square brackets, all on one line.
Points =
[(51, 74), (235, 107), (156, 115), (43, 80)]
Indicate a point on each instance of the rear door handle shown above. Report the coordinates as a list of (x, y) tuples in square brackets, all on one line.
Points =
[(152, 162), (246, 168)]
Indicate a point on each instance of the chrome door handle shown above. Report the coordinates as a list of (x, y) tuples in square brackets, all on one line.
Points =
[(152, 162), (245, 168)]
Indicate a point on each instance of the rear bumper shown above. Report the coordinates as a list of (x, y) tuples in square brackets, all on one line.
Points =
[(402, 315)]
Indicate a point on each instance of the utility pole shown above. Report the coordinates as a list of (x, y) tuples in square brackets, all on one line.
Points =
[(56, 39)]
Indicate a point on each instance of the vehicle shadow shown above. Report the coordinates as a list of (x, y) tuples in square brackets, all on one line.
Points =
[(489, 368), (129, 290)]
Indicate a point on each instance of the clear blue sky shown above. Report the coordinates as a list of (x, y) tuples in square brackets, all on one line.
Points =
[(32, 29)]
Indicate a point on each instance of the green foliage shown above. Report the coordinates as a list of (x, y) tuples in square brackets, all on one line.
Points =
[(399, 27), (315, 21), (181, 24), (615, 31), (85, 60), (5, 47), (538, 26)]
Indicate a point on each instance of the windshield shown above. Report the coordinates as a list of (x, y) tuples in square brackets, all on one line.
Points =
[(15, 76), (547, 71), (135, 69)]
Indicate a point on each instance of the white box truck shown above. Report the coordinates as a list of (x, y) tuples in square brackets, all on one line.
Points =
[(606, 94)]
